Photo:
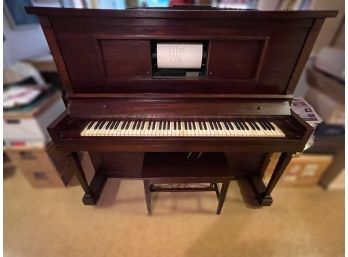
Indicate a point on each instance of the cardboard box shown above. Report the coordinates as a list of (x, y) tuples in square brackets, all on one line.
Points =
[(304, 170), (29, 127), (326, 95), (43, 167), (337, 183)]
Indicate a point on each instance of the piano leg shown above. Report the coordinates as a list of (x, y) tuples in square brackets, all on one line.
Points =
[(282, 163), (88, 198), (147, 196)]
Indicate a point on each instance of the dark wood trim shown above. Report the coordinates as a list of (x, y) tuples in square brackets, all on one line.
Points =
[(181, 96), (303, 57), (179, 13), (57, 56)]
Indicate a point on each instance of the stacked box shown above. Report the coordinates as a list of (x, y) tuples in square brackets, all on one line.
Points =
[(305, 170), (43, 167)]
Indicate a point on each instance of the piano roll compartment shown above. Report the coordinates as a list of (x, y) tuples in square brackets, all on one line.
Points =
[(179, 59)]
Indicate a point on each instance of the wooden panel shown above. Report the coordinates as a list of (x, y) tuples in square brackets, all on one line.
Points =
[(82, 58), (236, 59), (251, 56), (126, 58), (174, 108)]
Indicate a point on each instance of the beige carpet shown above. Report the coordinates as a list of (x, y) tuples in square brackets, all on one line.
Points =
[(54, 222)]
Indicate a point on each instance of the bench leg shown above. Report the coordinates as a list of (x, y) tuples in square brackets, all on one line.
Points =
[(215, 186), (147, 195), (222, 196)]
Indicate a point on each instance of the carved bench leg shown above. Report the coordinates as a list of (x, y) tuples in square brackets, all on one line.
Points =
[(222, 195), (147, 195)]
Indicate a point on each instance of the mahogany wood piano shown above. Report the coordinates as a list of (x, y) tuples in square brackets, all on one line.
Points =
[(141, 119)]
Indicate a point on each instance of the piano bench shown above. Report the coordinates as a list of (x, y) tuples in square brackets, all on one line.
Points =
[(173, 185)]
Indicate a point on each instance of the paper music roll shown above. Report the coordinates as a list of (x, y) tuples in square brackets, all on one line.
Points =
[(175, 56)]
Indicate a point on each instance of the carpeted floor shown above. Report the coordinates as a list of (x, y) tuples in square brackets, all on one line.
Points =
[(54, 222)]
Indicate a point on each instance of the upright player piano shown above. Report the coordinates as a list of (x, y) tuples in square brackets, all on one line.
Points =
[(180, 95)]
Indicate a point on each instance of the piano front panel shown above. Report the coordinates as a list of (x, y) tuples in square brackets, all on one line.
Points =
[(244, 56)]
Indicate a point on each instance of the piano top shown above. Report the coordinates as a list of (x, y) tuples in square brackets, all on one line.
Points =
[(182, 12)]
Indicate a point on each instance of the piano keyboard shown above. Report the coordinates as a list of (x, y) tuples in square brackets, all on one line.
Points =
[(141, 128)]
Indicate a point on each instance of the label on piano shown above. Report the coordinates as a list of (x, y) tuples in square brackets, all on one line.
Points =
[(179, 56)]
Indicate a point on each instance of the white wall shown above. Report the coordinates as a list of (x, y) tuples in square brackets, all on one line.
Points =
[(22, 44)]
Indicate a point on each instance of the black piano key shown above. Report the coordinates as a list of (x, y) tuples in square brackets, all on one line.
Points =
[(200, 125), (226, 126), (237, 125), (142, 125), (217, 124), (263, 125), (204, 125), (270, 124), (245, 125), (90, 124), (153, 125), (179, 123), (138, 125), (97, 125), (174, 125), (211, 125), (134, 125), (194, 125), (252, 125), (160, 125), (128, 123), (256, 126), (189, 125), (101, 124), (116, 124), (185, 124), (108, 126), (149, 125), (124, 124), (266, 125), (230, 124), (111, 125)]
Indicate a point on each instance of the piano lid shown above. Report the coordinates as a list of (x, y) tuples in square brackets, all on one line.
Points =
[(178, 51)]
